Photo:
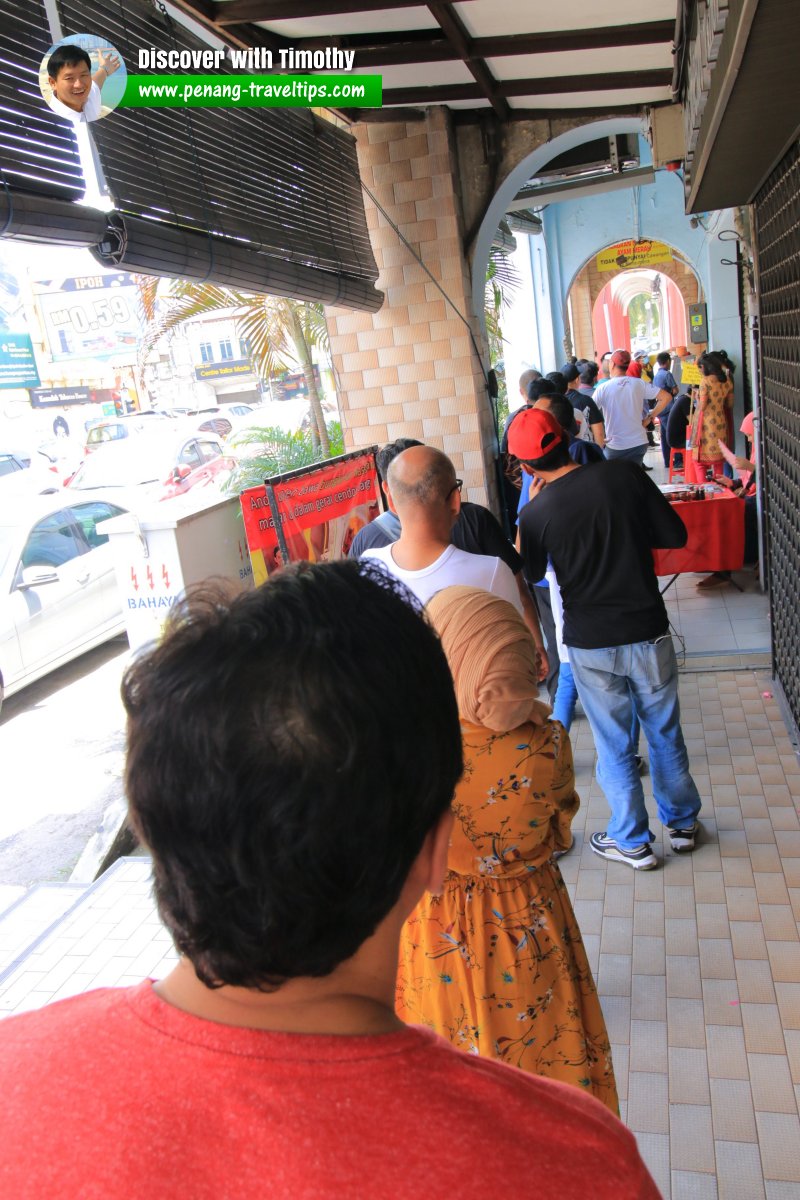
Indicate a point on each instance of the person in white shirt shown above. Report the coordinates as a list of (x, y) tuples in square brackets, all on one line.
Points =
[(76, 91), (623, 401), (425, 494)]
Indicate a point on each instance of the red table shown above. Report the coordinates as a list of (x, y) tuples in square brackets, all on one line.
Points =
[(716, 536)]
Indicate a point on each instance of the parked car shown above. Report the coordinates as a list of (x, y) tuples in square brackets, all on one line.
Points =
[(115, 429), (152, 466), (58, 590), (24, 472)]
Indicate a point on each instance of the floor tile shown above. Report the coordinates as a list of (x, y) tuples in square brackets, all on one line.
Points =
[(739, 1171), (690, 1139), (771, 1083), (732, 1111), (779, 1139), (726, 1053)]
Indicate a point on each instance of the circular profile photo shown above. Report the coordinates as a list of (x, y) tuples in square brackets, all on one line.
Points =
[(82, 78)]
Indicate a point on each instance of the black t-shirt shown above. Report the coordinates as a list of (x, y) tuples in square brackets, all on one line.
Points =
[(677, 421), (477, 531), (586, 405), (599, 525)]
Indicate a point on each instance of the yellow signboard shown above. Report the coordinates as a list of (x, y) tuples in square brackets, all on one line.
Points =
[(690, 373), (633, 254)]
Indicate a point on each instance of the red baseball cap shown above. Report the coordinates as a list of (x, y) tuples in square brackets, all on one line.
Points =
[(533, 434), (621, 358)]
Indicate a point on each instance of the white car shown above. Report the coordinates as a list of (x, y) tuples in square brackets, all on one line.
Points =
[(25, 472), (152, 467), (58, 589)]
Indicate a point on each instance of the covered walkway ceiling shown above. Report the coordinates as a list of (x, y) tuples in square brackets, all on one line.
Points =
[(522, 59)]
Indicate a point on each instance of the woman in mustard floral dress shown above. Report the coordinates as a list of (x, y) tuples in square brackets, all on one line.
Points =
[(712, 421), (496, 963)]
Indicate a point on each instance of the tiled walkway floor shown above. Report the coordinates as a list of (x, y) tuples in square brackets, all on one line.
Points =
[(697, 964)]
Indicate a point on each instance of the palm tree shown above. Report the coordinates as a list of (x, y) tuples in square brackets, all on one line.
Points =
[(502, 284), (279, 332)]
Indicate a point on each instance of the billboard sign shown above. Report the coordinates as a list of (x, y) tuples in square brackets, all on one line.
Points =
[(17, 362), (90, 316)]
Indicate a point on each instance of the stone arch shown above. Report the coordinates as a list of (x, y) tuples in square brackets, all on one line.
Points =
[(521, 173), (588, 282)]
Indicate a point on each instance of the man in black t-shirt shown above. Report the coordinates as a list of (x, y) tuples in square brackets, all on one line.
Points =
[(585, 405), (599, 525)]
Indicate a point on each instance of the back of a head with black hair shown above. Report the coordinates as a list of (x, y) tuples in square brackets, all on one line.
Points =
[(711, 364), (664, 359), (66, 56), (541, 387), (289, 749), (562, 409), (388, 453), (589, 374), (558, 457), (558, 380)]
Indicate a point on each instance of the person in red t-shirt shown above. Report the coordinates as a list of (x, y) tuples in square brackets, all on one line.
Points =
[(292, 755)]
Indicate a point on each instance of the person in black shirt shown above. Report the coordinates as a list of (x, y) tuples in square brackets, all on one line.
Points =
[(599, 525)]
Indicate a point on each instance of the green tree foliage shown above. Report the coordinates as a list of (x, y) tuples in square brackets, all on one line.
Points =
[(280, 333)]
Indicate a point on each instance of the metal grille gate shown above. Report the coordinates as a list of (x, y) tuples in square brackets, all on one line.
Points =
[(777, 212)]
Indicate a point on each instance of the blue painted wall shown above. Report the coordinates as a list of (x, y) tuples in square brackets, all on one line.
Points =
[(575, 230)]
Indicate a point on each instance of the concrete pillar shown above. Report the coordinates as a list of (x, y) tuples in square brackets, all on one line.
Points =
[(411, 369)]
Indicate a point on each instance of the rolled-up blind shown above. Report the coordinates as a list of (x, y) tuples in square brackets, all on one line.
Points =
[(279, 185), (40, 170)]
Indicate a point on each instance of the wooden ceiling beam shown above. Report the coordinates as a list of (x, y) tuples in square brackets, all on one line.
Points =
[(456, 33), (241, 37), (426, 45), (557, 86)]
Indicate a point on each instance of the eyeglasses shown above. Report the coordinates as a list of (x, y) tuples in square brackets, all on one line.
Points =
[(457, 486)]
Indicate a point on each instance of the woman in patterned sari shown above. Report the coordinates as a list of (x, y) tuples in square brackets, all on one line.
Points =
[(496, 963), (712, 422)]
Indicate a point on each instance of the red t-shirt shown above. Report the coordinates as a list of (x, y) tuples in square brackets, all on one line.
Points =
[(116, 1094)]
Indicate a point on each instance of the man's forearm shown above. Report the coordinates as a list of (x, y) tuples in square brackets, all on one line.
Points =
[(531, 617)]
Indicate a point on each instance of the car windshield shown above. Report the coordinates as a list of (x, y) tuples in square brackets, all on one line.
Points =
[(130, 463)]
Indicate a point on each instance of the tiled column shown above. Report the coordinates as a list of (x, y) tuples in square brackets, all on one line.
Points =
[(410, 370)]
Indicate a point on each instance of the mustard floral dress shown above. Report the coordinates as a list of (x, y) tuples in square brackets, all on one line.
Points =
[(496, 963), (713, 420)]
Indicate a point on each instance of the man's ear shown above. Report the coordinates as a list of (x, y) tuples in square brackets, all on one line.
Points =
[(389, 499), (454, 503)]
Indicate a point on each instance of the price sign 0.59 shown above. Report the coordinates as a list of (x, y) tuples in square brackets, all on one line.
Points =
[(90, 317)]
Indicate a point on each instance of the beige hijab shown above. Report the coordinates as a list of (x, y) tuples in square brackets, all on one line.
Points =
[(492, 658)]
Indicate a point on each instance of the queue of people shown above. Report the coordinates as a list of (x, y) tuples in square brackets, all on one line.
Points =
[(356, 802)]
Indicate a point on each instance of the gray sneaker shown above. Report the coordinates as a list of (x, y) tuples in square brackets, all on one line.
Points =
[(683, 840), (641, 859)]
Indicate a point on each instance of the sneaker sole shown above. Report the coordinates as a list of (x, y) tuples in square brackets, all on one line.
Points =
[(684, 845), (645, 864)]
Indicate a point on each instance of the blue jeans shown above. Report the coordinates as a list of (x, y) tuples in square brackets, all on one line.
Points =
[(567, 697), (635, 453), (614, 683)]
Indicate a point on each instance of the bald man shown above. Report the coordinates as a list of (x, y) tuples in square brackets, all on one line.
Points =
[(424, 493)]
